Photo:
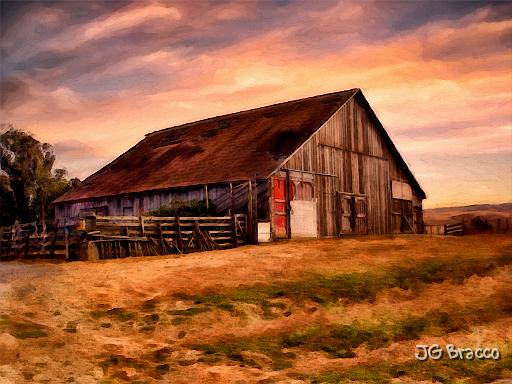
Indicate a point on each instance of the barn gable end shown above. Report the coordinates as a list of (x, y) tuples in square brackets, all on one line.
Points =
[(352, 155)]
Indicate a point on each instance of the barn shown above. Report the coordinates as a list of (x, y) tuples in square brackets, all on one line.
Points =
[(321, 166)]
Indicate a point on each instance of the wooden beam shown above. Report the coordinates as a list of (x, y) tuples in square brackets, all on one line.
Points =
[(179, 239), (230, 199), (288, 207), (271, 206), (142, 230), (255, 200), (234, 229), (350, 151), (309, 172), (250, 216)]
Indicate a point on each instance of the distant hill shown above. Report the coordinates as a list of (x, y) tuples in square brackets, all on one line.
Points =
[(489, 212)]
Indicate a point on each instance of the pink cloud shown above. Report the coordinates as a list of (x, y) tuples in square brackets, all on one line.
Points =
[(441, 87)]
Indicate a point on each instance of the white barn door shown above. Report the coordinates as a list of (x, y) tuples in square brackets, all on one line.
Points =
[(303, 214)]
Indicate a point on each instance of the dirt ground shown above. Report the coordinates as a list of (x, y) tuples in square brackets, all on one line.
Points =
[(289, 312)]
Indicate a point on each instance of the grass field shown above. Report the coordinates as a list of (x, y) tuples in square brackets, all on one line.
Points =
[(320, 311)]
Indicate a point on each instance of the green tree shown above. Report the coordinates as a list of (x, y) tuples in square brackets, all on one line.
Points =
[(28, 182)]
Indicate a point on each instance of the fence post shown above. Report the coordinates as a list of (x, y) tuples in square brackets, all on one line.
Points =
[(233, 226), (66, 242), (179, 239), (43, 239), (27, 243), (161, 237), (142, 230)]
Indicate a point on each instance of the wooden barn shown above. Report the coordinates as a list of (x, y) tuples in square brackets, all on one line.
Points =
[(316, 167)]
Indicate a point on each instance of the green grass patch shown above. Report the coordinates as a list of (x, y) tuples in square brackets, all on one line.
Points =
[(354, 287), (29, 334), (340, 340), (120, 361), (178, 320), (445, 371), (151, 319), (189, 311), (232, 350), (118, 314), (4, 321), (27, 330), (71, 327)]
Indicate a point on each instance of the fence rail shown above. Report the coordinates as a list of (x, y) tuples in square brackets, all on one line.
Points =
[(31, 240), (106, 237), (497, 226)]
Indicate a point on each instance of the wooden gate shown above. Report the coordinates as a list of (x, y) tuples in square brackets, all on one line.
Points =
[(352, 215)]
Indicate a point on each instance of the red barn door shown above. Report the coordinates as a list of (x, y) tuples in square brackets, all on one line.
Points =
[(281, 201)]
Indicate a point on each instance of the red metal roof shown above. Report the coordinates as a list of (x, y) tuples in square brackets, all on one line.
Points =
[(233, 147)]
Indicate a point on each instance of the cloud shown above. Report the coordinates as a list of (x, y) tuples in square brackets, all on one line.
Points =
[(449, 43), (436, 73), (13, 91), (76, 157)]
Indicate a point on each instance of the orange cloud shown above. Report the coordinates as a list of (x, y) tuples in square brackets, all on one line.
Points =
[(442, 88)]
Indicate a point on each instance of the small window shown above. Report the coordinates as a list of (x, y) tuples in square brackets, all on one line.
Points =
[(94, 211), (305, 191), (401, 190), (360, 207)]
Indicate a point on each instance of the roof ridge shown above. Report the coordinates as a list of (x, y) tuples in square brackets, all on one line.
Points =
[(355, 90)]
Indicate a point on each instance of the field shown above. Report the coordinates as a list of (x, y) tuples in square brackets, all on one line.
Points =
[(490, 212), (348, 310)]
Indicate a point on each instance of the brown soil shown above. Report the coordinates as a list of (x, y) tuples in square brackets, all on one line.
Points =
[(116, 322)]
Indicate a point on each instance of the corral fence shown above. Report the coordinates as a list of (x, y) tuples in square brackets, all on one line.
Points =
[(497, 226), (36, 239), (107, 237)]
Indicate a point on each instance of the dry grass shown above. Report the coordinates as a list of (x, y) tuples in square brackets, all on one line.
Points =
[(306, 311)]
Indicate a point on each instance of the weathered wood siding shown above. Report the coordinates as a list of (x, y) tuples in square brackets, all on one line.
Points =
[(348, 154), (141, 203)]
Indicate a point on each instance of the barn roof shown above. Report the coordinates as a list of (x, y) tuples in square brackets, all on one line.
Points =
[(238, 146)]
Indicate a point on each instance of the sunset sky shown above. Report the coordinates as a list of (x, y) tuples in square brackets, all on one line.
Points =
[(93, 77)]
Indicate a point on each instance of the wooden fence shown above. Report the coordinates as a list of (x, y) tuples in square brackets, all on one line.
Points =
[(32, 240), (497, 226), (121, 236), (97, 237), (456, 229), (434, 229)]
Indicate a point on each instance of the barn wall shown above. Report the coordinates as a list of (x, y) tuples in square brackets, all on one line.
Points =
[(222, 196), (349, 155)]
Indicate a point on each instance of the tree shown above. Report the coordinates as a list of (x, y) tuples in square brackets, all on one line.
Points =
[(27, 182)]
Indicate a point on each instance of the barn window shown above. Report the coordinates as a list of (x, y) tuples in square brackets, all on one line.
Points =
[(128, 206), (360, 206), (305, 191), (94, 211), (401, 190)]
